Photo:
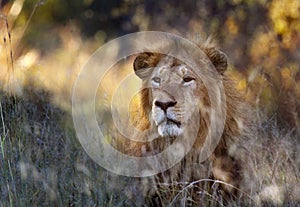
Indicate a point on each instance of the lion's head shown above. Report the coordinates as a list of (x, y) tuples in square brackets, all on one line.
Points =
[(173, 95)]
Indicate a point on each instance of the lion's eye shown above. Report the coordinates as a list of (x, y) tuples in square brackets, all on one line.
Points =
[(156, 80), (188, 79)]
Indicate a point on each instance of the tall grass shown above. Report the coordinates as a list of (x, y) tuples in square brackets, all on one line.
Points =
[(42, 163)]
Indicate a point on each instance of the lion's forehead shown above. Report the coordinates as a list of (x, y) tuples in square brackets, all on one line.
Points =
[(179, 70)]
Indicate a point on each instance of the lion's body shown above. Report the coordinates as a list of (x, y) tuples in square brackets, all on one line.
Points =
[(174, 103)]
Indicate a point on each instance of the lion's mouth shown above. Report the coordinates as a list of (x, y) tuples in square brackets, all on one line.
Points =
[(173, 121), (170, 128), (167, 123)]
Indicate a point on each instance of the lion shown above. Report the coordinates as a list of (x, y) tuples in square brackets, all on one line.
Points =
[(174, 102)]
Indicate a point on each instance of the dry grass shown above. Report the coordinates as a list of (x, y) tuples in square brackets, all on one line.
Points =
[(271, 175), (42, 164)]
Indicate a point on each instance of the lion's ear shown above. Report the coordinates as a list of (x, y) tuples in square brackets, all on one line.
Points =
[(218, 58), (143, 64)]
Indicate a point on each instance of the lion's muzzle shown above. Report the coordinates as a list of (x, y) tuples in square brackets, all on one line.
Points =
[(165, 119)]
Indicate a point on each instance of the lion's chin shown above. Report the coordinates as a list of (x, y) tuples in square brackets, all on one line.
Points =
[(167, 129)]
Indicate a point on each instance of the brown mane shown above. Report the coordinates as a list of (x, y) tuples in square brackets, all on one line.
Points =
[(223, 164)]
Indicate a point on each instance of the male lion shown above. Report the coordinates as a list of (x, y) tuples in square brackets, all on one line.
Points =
[(175, 103)]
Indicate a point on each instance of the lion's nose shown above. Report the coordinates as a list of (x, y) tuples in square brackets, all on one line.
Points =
[(165, 105)]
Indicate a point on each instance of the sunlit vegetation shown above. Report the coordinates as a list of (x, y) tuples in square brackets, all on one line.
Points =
[(45, 43)]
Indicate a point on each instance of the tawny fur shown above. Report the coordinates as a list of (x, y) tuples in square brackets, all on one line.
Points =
[(223, 164)]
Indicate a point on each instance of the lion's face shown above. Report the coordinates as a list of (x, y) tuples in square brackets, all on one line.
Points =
[(175, 94)]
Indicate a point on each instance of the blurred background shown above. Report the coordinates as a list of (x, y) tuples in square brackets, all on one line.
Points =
[(45, 43)]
